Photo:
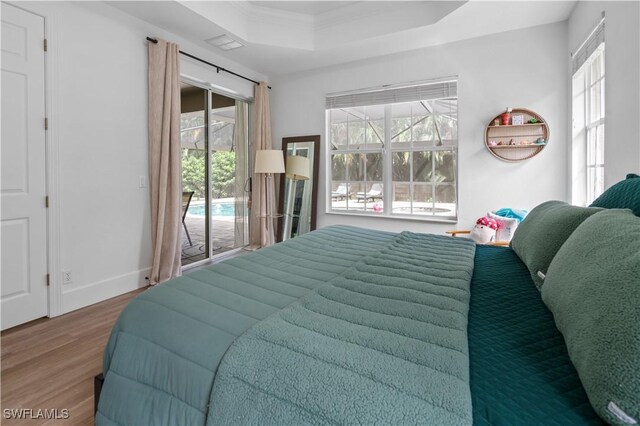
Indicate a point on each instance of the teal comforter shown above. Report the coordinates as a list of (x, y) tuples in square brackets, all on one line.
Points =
[(164, 350), (384, 342), (392, 307)]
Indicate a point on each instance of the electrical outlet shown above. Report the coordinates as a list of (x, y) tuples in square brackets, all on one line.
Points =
[(143, 182), (67, 278)]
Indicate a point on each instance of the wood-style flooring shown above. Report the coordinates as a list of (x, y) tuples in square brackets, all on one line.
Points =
[(50, 363)]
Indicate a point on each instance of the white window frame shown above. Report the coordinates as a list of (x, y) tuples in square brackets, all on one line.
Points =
[(387, 151), (592, 127), (588, 133)]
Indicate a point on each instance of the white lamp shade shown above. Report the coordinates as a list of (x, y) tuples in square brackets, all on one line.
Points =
[(269, 161), (297, 167)]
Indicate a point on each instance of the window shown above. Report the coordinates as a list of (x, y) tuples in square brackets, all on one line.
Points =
[(588, 112), (393, 151)]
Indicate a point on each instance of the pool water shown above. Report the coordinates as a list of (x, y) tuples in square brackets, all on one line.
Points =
[(218, 209)]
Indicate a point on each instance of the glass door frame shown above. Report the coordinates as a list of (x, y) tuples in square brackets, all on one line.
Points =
[(214, 88)]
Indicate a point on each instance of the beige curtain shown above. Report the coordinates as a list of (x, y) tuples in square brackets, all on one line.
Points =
[(260, 235), (164, 160)]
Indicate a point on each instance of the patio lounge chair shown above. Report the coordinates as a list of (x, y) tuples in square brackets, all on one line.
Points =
[(186, 200), (340, 193), (375, 193)]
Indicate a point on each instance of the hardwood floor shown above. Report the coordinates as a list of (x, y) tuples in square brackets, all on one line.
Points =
[(50, 363)]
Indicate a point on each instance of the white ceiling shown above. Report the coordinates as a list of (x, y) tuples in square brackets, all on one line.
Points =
[(306, 7), (282, 37)]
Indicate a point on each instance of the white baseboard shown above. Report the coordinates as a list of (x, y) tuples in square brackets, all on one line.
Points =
[(80, 297)]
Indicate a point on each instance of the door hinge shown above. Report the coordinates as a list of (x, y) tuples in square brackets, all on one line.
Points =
[(48, 279), (45, 45), (46, 123), (46, 201)]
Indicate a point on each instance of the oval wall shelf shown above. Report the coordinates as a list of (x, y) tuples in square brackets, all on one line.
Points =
[(517, 142)]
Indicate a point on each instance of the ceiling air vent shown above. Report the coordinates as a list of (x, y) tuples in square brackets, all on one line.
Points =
[(224, 42)]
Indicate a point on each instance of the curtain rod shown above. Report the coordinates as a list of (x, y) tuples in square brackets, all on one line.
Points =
[(217, 67)]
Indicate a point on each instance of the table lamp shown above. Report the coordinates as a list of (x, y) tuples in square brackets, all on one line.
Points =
[(268, 162)]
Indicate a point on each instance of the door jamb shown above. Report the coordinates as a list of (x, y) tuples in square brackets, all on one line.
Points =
[(52, 173), (56, 306)]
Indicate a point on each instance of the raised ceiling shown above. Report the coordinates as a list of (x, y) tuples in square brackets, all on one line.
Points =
[(291, 36), (306, 7)]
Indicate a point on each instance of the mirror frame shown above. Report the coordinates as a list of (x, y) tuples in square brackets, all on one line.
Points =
[(314, 191)]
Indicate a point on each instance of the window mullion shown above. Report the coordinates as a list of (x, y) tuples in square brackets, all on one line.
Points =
[(411, 182), (587, 109), (433, 183), (587, 115), (387, 170)]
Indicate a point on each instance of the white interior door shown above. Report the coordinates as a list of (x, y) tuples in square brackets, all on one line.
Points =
[(23, 177)]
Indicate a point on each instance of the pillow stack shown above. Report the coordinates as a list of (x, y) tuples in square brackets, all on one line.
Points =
[(586, 262), (592, 287)]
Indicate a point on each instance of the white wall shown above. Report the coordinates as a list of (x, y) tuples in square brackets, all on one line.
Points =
[(622, 81), (97, 81), (525, 68)]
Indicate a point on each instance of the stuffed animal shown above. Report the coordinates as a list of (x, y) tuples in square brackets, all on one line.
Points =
[(485, 230)]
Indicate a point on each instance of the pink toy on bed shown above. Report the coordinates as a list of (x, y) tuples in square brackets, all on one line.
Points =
[(485, 230)]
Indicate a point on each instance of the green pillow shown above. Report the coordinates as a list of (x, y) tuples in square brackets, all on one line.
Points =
[(593, 289), (542, 233), (623, 195)]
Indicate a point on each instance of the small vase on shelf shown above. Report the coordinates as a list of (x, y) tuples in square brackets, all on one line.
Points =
[(506, 116)]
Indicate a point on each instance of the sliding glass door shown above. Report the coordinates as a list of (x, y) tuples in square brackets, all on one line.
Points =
[(228, 141), (195, 140), (214, 134)]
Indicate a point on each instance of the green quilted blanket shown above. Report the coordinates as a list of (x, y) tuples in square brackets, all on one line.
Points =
[(163, 353), (383, 342)]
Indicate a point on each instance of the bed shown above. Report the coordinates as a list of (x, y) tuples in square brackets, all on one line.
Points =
[(345, 325)]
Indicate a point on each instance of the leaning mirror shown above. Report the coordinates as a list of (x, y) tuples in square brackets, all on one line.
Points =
[(298, 186)]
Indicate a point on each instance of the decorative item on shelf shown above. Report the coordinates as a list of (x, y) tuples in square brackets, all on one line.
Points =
[(496, 122), (506, 116), (526, 135), (517, 120)]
